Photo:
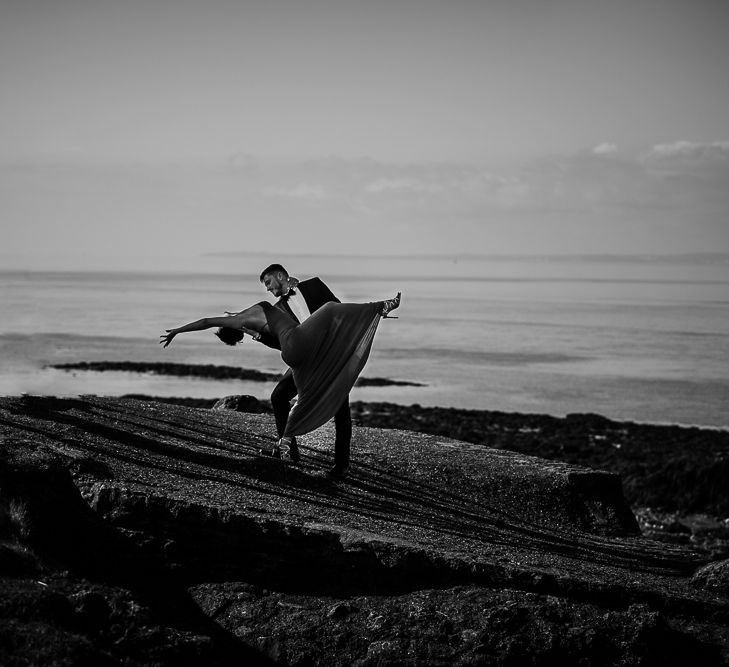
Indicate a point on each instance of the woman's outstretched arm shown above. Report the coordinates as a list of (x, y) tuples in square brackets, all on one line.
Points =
[(250, 319)]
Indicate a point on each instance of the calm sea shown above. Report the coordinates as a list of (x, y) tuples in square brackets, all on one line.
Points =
[(643, 339)]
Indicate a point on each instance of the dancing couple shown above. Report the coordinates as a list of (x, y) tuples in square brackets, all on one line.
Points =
[(325, 344)]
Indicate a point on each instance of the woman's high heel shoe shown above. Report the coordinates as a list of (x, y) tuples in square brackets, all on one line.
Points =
[(285, 448), (274, 453), (390, 304), (289, 449)]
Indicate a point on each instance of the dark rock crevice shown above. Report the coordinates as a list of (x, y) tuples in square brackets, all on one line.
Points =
[(71, 568)]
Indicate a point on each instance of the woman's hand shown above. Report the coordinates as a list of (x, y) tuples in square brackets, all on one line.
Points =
[(167, 337), (251, 332)]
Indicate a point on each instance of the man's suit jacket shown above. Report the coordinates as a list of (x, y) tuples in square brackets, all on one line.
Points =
[(315, 294)]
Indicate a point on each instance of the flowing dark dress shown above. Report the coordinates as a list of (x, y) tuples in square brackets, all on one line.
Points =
[(326, 353)]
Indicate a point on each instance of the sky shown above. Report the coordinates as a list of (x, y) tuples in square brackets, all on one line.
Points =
[(160, 130)]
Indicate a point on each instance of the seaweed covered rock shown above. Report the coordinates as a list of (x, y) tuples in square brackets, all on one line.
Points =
[(240, 403), (713, 577)]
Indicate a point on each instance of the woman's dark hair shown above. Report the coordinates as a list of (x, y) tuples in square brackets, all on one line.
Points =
[(229, 336)]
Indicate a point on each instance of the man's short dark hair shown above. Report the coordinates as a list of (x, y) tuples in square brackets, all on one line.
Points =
[(274, 268)]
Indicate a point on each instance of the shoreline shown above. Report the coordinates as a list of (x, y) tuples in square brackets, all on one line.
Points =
[(197, 402), (226, 373)]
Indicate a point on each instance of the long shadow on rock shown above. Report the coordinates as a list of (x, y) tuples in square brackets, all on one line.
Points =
[(140, 441)]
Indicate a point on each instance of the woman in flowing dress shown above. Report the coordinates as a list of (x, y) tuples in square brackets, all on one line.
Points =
[(326, 352)]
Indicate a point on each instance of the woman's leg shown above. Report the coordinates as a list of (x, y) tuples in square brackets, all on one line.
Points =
[(281, 398)]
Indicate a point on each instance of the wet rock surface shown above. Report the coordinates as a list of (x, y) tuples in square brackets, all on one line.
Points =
[(431, 551)]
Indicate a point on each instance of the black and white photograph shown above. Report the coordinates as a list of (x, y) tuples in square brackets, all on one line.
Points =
[(364, 333)]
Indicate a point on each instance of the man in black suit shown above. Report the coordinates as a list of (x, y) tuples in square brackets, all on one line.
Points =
[(307, 297)]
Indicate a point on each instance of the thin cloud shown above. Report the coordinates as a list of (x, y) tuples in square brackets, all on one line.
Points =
[(691, 150), (303, 191), (596, 180), (605, 149), (398, 184)]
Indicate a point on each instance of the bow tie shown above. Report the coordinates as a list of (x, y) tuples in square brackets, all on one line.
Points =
[(288, 294)]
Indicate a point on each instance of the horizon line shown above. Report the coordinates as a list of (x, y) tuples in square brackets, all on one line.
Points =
[(644, 256)]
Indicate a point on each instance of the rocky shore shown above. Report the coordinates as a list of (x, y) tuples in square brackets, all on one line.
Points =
[(144, 533)]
